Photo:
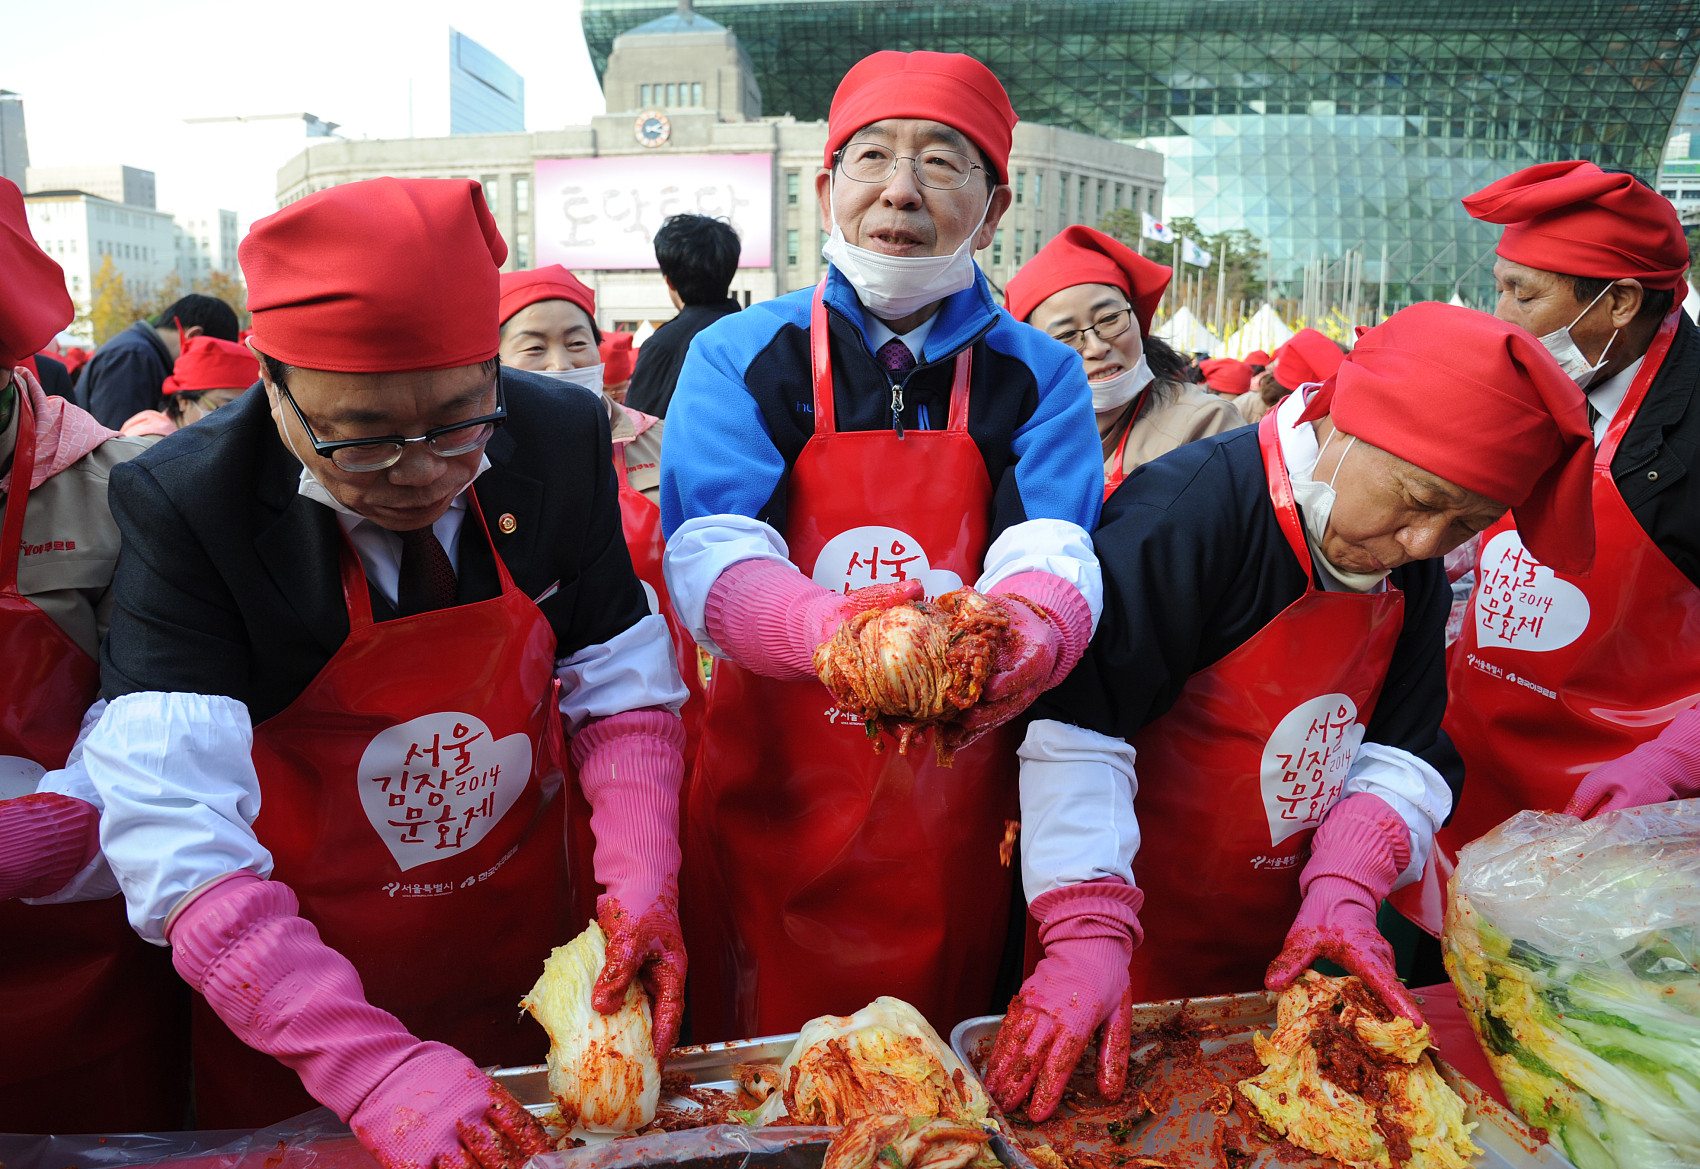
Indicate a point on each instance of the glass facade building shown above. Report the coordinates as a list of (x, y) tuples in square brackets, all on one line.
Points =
[(1318, 125), (486, 96)]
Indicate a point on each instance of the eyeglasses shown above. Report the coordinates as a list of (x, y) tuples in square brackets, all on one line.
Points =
[(1106, 327), (375, 454), (942, 170)]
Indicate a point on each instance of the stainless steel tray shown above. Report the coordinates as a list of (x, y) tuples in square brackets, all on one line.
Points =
[(709, 1066), (1506, 1142)]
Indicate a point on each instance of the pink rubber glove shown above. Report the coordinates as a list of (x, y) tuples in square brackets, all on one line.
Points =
[(1046, 646), (1661, 769), (1089, 931), (630, 767), (1358, 852), (242, 943), (769, 617), (45, 840)]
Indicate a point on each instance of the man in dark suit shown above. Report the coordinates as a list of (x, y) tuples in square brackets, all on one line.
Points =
[(125, 374), (698, 257), (315, 605)]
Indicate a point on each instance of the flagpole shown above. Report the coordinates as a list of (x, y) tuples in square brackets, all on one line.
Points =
[(1222, 288)]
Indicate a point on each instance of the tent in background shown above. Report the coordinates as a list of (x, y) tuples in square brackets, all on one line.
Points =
[(1265, 330), (1184, 333)]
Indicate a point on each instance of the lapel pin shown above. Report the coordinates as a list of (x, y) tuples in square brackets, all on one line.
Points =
[(507, 523)]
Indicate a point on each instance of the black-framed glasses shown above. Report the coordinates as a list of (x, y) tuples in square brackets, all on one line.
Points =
[(1108, 326), (375, 454), (942, 170)]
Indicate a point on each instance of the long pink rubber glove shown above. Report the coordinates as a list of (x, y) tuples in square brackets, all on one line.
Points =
[(1661, 769), (264, 970), (1089, 931), (1358, 852), (630, 767), (769, 617), (45, 840), (1048, 642)]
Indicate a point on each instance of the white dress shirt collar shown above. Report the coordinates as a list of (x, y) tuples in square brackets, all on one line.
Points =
[(1608, 396), (879, 333)]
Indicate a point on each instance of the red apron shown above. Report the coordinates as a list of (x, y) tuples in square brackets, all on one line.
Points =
[(1115, 474), (641, 520), (1554, 675), (88, 1011), (1235, 777), (411, 799), (819, 875)]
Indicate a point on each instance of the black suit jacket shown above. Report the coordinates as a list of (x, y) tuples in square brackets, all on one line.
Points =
[(1657, 466), (124, 376), (227, 582), (55, 379), (657, 370)]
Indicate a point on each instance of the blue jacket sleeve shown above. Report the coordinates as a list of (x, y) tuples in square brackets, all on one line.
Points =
[(717, 454), (1059, 468)]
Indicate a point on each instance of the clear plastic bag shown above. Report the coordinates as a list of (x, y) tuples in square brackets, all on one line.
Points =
[(313, 1140), (1575, 948), (715, 1146)]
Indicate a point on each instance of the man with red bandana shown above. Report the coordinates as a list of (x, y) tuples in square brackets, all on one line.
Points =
[(355, 609), (893, 426), (1234, 777), (1569, 692)]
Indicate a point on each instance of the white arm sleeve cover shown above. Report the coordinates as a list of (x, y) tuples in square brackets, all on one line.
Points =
[(631, 670), (1410, 787), (703, 548), (95, 882), (1054, 546), (1077, 821), (175, 778)]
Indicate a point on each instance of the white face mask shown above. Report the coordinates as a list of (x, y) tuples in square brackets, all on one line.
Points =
[(589, 377), (1569, 355), (892, 287), (1316, 504), (1112, 393)]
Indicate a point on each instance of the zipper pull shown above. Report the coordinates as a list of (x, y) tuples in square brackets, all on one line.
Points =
[(897, 409)]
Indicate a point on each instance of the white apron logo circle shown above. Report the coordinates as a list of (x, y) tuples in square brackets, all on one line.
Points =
[(1305, 763), (878, 555), (434, 786), (1521, 604)]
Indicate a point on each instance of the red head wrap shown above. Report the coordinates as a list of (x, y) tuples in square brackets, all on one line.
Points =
[(942, 87), (1482, 404), (1307, 357), (1080, 255), (375, 277), (1226, 375), (34, 305), (1258, 357), (208, 363), (617, 358), (1574, 218), (525, 288)]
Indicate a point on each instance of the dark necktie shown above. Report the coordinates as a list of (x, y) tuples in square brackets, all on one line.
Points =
[(427, 581), (894, 357), (1594, 415)]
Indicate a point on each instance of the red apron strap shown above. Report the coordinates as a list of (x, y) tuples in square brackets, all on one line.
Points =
[(1281, 490), (959, 391), (620, 467), (1637, 391), (354, 587), (820, 353), (23, 466)]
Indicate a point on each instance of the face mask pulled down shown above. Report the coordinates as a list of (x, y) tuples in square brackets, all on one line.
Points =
[(892, 287), (1316, 504), (589, 378), (1569, 355), (1112, 393)]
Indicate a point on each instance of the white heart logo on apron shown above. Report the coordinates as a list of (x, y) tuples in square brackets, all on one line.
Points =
[(878, 555), (1305, 763), (434, 786), (1521, 604)]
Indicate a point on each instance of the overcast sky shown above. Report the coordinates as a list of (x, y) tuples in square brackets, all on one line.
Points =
[(113, 82)]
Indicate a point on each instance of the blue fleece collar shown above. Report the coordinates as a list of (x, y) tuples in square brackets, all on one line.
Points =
[(960, 320)]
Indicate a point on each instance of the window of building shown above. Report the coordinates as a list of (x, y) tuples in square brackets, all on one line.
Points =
[(793, 245), (672, 94), (522, 195), (1038, 188), (1118, 201), (492, 194), (522, 251), (643, 96), (696, 93), (997, 247), (1020, 187), (1080, 198), (1101, 185), (791, 184), (1668, 192), (1020, 245)]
